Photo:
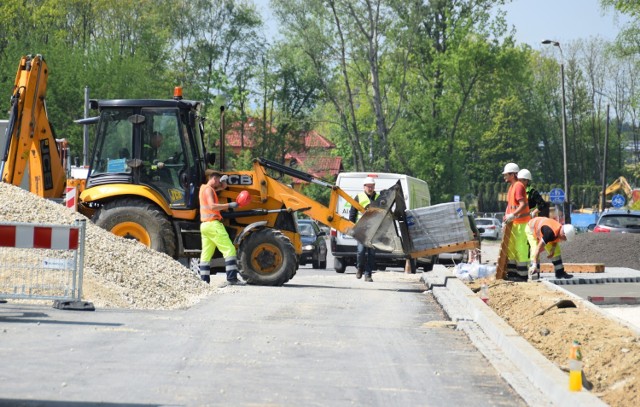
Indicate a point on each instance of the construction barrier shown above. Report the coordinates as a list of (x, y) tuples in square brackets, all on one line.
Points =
[(43, 262)]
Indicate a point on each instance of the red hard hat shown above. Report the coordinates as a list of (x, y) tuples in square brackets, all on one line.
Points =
[(243, 198)]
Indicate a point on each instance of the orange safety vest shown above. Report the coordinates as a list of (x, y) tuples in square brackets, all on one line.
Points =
[(206, 213), (536, 225), (512, 203)]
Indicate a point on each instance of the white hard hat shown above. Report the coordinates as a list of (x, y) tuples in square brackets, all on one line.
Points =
[(569, 232), (524, 174), (369, 180), (510, 167)]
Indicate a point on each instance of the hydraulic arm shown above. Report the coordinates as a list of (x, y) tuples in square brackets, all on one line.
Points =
[(30, 156)]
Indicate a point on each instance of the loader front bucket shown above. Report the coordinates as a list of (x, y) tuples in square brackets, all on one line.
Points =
[(383, 226)]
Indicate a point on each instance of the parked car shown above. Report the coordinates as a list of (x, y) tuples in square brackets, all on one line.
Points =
[(464, 256), (314, 245), (617, 221), (492, 228)]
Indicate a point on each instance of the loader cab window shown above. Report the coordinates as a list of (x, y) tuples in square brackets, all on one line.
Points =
[(115, 148), (164, 152)]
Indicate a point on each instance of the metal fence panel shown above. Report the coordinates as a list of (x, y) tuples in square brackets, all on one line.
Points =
[(42, 261)]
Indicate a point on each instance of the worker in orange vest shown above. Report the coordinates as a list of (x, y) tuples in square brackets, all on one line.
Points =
[(212, 231), (547, 233), (517, 212)]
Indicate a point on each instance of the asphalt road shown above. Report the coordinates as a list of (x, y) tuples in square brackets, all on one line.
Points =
[(324, 339)]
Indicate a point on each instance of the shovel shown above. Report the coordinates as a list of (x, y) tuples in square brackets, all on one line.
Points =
[(559, 304)]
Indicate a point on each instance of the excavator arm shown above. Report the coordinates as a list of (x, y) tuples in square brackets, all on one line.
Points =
[(30, 157), (619, 183)]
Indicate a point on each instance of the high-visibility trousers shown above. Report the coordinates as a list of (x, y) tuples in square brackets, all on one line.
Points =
[(518, 250), (215, 236)]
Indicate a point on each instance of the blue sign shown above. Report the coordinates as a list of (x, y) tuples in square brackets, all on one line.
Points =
[(617, 201), (556, 196)]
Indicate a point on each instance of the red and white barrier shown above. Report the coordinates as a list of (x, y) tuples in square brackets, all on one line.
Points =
[(71, 197), (26, 236)]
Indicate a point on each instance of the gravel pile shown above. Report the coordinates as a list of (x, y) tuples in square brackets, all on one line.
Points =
[(117, 272), (610, 249)]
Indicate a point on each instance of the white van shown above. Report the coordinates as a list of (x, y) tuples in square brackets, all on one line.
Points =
[(344, 248)]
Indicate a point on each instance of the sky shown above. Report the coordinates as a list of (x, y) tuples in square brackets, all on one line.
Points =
[(536, 20), (561, 20)]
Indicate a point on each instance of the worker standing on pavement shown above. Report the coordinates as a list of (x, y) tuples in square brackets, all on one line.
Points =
[(547, 233), (366, 256), (537, 204), (213, 233), (517, 212)]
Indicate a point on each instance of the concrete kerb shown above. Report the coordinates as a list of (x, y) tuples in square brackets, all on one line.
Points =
[(464, 306)]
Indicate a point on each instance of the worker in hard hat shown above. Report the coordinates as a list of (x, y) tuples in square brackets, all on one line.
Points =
[(517, 212), (548, 233), (366, 256), (537, 204)]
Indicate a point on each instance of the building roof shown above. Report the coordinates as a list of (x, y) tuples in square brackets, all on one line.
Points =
[(325, 167)]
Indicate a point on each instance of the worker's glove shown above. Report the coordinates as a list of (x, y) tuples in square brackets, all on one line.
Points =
[(233, 205), (509, 218), (533, 268)]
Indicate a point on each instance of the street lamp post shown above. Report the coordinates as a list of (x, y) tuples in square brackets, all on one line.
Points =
[(604, 163), (567, 200), (603, 200)]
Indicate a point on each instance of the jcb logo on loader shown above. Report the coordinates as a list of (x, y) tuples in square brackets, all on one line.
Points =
[(237, 179)]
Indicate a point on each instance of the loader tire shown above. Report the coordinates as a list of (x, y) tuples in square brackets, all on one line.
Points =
[(267, 257), (138, 220)]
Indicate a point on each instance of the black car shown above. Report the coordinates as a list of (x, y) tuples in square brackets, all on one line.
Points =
[(314, 246)]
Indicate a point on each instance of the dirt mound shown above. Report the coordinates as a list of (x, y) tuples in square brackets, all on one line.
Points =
[(117, 272), (611, 249), (611, 351)]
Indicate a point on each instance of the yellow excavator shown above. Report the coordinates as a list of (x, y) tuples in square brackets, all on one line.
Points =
[(147, 164), (632, 195)]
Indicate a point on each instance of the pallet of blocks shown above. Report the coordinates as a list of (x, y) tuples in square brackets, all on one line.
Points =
[(442, 228)]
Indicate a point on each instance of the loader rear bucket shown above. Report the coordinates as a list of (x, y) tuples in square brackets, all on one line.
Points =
[(383, 226)]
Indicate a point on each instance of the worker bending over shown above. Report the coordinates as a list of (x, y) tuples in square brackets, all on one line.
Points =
[(547, 233)]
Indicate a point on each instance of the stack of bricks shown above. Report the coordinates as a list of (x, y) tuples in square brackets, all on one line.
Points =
[(438, 225)]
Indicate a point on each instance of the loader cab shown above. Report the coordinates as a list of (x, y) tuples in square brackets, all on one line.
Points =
[(157, 144)]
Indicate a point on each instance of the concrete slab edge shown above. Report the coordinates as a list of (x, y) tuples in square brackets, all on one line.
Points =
[(542, 373)]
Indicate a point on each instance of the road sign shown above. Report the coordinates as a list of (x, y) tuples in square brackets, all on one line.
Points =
[(617, 201), (556, 196), (456, 198)]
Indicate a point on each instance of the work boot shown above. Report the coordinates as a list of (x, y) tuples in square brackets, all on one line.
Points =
[(513, 276), (231, 282), (359, 273), (563, 274), (206, 279), (368, 278)]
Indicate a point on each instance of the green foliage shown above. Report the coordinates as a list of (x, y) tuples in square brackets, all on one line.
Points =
[(437, 90)]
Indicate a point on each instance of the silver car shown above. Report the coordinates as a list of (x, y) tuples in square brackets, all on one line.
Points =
[(617, 221), (492, 228)]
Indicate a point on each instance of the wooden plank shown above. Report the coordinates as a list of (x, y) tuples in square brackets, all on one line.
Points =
[(450, 248), (501, 267), (575, 267)]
